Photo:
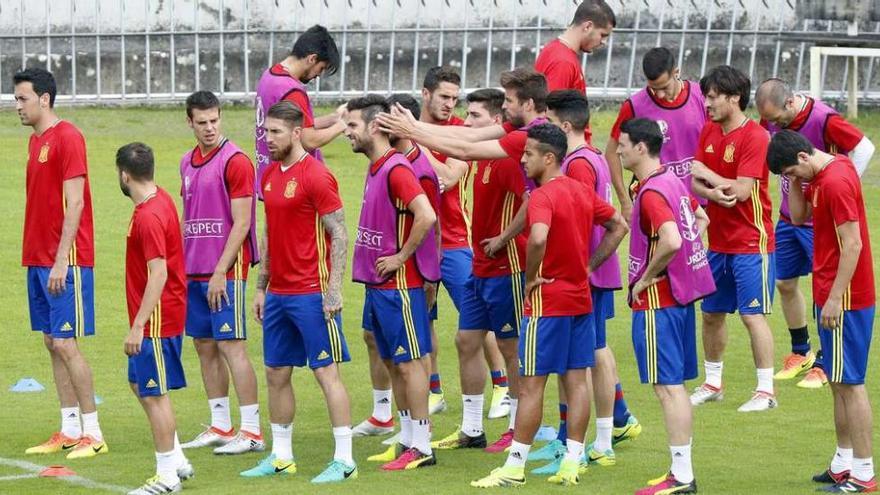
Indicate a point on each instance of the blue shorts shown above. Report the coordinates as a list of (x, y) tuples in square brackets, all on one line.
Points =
[(226, 324), (295, 332), (794, 250), (665, 344), (603, 310), (157, 368), (69, 314), (845, 349), (455, 268), (399, 322), (556, 344), (494, 304), (745, 283)]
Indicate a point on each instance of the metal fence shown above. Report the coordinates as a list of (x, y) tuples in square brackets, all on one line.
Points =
[(161, 50)]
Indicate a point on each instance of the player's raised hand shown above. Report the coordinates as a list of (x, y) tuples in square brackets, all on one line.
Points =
[(217, 292), (133, 341), (387, 265), (57, 278), (259, 305), (399, 121), (332, 303)]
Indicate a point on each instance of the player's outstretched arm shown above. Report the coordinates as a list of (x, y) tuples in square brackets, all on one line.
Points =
[(158, 275), (450, 172), (314, 138), (616, 230), (401, 122), (334, 224)]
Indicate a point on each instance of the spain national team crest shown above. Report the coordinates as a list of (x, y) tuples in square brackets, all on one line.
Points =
[(486, 173), (44, 153), (290, 189), (728, 153)]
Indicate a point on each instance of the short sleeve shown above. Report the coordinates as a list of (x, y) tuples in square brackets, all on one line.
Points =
[(510, 175), (301, 99), (240, 177), (580, 170), (625, 113), (842, 134), (752, 161), (842, 201), (700, 152), (404, 185), (152, 236), (654, 212), (602, 211), (430, 189), (540, 209), (514, 144), (323, 190), (73, 158)]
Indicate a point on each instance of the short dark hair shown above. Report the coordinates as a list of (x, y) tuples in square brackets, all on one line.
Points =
[(491, 98), (287, 111), (784, 148), (729, 81), (42, 80), (644, 131), (440, 74), (657, 61), (406, 101), (570, 105), (201, 100), (316, 40), (136, 159), (370, 105), (528, 85), (550, 139), (597, 11)]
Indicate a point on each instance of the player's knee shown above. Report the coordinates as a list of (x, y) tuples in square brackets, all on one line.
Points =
[(327, 375), (755, 323), (49, 342), (370, 340), (205, 348), (65, 348), (277, 376), (468, 343), (233, 350), (787, 287), (713, 320)]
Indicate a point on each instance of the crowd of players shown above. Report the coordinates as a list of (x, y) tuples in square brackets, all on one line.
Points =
[(531, 268)]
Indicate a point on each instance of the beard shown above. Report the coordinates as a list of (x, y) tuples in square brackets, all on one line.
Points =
[(125, 189), (281, 153)]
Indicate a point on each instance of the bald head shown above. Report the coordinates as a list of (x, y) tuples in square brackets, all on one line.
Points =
[(773, 91)]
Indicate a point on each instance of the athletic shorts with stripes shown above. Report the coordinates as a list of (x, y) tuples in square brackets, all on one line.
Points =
[(296, 332), (399, 321), (157, 368), (556, 344), (665, 344), (68, 314), (845, 349), (226, 324), (745, 283), (494, 304)]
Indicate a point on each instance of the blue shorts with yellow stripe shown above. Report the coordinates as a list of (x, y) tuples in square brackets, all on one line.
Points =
[(455, 270), (226, 324), (158, 367), (845, 349), (794, 250), (603, 310), (296, 333), (399, 321), (665, 344), (65, 315), (556, 344), (494, 304), (744, 282)]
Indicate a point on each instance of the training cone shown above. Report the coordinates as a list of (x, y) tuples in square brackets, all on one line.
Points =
[(27, 385), (98, 400), (54, 471), (545, 434)]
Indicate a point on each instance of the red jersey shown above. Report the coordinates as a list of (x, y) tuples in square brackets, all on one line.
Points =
[(57, 155), (298, 246), (840, 135), (154, 232), (240, 182), (582, 171), (455, 227), (570, 210), (299, 98), (626, 109), (747, 227), (561, 67), (836, 195), (499, 186)]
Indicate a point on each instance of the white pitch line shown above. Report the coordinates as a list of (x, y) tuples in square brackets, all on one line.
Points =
[(74, 480), (18, 477)]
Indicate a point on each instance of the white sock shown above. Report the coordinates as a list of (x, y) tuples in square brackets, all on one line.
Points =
[(512, 420), (573, 450), (70, 422), (713, 373), (765, 380), (282, 441), (220, 413), (406, 429), (472, 415), (604, 427), (421, 435), (250, 419), (518, 454), (342, 435), (862, 469), (842, 460), (382, 405), (90, 426), (178, 452), (166, 468), (682, 468)]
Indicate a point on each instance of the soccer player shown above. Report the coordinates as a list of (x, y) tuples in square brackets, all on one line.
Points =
[(220, 243), (730, 171), (668, 271), (568, 110), (394, 256), (299, 292), (58, 251), (558, 336), (781, 108), (155, 291), (314, 54), (843, 290), (677, 106), (559, 60)]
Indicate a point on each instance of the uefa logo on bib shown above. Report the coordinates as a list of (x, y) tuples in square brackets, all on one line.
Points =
[(664, 129), (688, 220)]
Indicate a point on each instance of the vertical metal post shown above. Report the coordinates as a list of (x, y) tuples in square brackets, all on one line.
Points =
[(391, 48), (173, 53), (122, 45), (272, 34), (608, 64), (147, 47), (246, 54), (489, 46), (732, 29), (538, 32), (778, 38), (464, 42), (98, 48), (72, 48), (852, 99), (415, 69), (368, 47), (684, 27), (815, 72), (870, 67), (824, 62), (632, 54), (513, 36), (660, 27), (222, 50), (48, 39), (442, 33), (344, 55), (797, 83), (709, 20), (196, 43), (21, 24), (754, 47)]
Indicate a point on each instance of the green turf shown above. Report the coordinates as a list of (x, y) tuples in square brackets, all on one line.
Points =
[(772, 452)]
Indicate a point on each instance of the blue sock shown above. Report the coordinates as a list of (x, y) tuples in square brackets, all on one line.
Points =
[(562, 436), (499, 378), (621, 411), (435, 384)]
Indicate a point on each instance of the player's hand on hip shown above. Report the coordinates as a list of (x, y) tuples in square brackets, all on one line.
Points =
[(387, 265), (57, 278), (831, 312), (332, 304), (259, 305), (491, 245), (641, 285), (217, 292), (537, 282), (133, 340)]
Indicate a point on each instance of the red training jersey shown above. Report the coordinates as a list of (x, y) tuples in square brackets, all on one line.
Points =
[(239, 176), (626, 111), (57, 155), (836, 195), (455, 226), (569, 209), (154, 232), (299, 98), (747, 227), (561, 67), (840, 136), (499, 186)]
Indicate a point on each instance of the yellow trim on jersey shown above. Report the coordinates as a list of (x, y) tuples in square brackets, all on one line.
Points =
[(758, 216), (321, 241), (463, 202), (507, 214), (651, 345)]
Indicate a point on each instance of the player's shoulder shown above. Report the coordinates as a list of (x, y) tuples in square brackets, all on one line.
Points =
[(67, 130)]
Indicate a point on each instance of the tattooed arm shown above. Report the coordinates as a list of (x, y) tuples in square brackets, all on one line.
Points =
[(334, 224)]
